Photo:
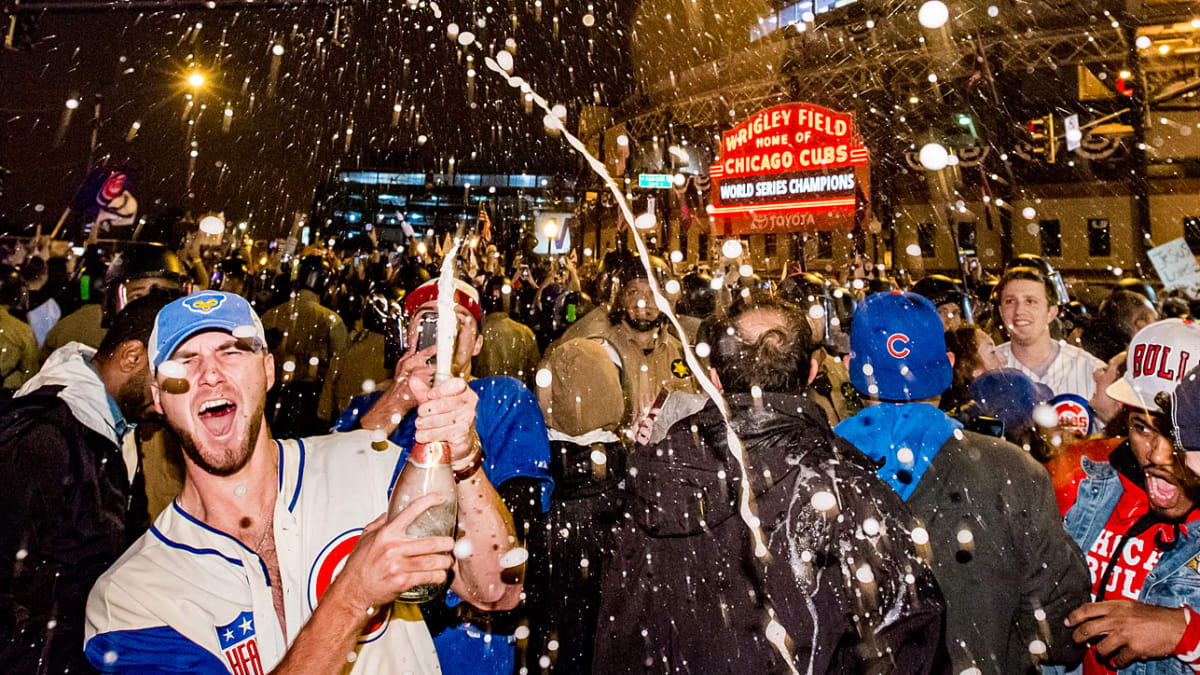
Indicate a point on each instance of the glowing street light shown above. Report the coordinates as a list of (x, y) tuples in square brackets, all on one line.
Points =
[(550, 229), (212, 224), (933, 14), (195, 79), (72, 103)]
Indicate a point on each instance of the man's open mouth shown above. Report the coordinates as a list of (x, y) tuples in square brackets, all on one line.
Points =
[(217, 416), (1163, 492)]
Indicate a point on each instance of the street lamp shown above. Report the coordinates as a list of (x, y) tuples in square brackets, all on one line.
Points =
[(212, 224), (550, 229), (195, 79)]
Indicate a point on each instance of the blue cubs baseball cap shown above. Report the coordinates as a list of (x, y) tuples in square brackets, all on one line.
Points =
[(898, 348), (206, 310)]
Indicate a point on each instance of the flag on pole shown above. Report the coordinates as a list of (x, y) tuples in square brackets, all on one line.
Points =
[(485, 224)]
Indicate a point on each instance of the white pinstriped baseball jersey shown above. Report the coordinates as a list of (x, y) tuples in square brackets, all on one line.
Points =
[(189, 598), (1070, 373)]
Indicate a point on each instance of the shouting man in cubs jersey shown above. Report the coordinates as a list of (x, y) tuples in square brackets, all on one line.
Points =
[(273, 557)]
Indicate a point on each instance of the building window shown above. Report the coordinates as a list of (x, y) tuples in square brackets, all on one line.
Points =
[(966, 237), (1191, 232), (1099, 241), (771, 245), (824, 245), (927, 239), (703, 245), (1051, 232)]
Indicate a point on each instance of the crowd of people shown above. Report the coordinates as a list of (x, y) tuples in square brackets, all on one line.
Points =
[(987, 476)]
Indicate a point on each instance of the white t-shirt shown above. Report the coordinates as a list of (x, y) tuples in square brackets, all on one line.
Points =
[(1070, 373), (189, 598)]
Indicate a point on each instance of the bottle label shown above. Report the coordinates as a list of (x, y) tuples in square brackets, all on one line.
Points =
[(426, 455)]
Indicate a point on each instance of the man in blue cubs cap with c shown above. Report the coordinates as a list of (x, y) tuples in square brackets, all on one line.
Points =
[(1009, 572), (274, 555)]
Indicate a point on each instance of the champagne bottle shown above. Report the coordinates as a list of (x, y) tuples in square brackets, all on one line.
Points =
[(427, 471)]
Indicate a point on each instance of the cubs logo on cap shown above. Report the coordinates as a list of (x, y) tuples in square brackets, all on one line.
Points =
[(1073, 412), (204, 303), (1158, 356), (897, 345)]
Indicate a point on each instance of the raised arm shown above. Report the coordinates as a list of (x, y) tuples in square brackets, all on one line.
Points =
[(481, 577)]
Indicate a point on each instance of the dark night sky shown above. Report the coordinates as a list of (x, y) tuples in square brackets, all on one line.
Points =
[(280, 145)]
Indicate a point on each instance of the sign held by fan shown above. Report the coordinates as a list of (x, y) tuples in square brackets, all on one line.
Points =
[(1176, 265)]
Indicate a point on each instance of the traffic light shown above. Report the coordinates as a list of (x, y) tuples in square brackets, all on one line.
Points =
[(967, 123), (1041, 137), (18, 28), (1125, 83)]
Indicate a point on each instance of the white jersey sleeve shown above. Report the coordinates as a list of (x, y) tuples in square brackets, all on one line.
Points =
[(189, 598)]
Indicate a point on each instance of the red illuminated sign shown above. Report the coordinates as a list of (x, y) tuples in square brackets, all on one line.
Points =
[(789, 168)]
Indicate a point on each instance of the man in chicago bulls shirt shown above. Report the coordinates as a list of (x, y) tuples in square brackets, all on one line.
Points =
[(1135, 517)]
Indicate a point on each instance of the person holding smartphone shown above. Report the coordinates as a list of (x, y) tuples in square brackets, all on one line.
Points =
[(513, 450)]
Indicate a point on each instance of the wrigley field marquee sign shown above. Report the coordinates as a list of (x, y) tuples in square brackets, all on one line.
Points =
[(796, 167)]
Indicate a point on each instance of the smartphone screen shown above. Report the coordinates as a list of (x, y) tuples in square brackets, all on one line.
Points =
[(427, 331)]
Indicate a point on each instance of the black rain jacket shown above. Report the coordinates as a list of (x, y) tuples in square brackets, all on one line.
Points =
[(685, 592)]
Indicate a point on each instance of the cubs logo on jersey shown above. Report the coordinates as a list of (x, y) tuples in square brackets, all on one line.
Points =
[(326, 568), (240, 646)]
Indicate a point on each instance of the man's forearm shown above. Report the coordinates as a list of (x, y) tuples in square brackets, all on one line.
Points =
[(326, 639), (387, 412), (480, 578)]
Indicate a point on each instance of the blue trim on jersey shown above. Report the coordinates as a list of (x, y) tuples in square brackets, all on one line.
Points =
[(299, 476), (190, 549), (201, 524), (279, 444), (151, 650)]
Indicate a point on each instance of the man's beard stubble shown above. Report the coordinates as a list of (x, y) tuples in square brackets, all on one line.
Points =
[(644, 325), (133, 398), (235, 458)]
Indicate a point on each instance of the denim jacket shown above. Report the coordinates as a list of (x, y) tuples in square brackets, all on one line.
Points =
[(1174, 581)]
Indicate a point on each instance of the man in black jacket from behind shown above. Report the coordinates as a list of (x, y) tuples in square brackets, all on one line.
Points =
[(686, 592), (65, 508), (991, 526)]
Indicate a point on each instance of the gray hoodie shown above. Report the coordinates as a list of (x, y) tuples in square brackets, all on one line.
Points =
[(84, 393)]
